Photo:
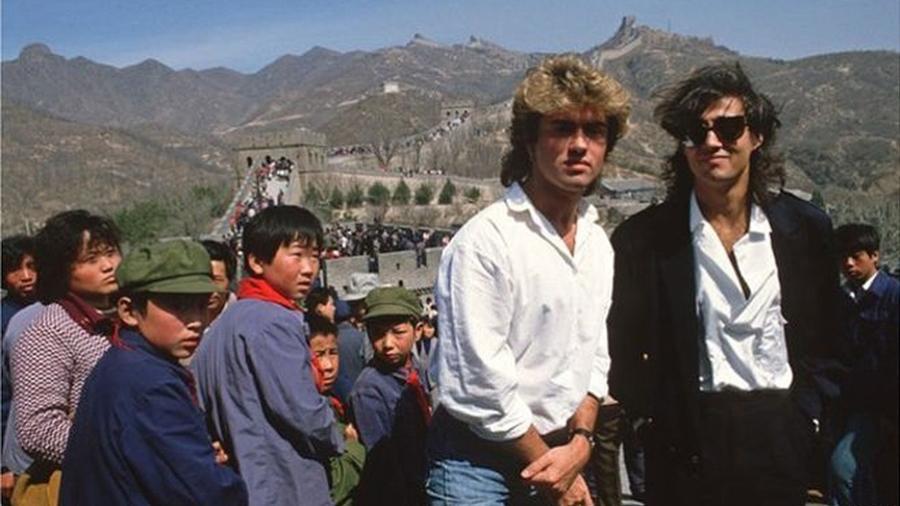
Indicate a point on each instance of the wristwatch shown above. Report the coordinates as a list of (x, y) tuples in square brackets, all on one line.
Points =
[(581, 431)]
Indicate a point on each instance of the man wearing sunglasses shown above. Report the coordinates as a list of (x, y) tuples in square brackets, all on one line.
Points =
[(721, 325)]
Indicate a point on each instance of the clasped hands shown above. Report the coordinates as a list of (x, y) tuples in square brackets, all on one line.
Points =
[(557, 473)]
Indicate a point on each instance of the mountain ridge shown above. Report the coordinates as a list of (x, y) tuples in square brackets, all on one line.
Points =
[(841, 112)]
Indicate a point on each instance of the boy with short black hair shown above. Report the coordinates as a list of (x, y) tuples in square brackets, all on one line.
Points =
[(223, 268), (139, 435), (321, 301), (345, 469), (389, 403), (19, 276), (254, 370), (19, 280), (871, 312)]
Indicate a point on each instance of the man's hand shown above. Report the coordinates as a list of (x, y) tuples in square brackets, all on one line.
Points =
[(578, 494), (558, 469), (221, 456), (350, 433), (7, 483)]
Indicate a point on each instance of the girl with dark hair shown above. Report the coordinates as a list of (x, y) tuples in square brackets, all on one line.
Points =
[(77, 254)]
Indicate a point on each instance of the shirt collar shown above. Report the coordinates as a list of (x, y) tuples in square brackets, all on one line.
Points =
[(759, 223), (868, 284), (518, 202)]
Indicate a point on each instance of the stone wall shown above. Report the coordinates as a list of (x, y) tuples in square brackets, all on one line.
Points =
[(307, 149), (393, 268)]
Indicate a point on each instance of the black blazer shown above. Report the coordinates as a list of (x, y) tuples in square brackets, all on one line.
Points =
[(653, 324)]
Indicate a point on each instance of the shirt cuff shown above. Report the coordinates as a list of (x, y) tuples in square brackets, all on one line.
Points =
[(511, 426), (598, 386)]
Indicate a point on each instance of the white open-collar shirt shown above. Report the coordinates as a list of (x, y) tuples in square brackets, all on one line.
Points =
[(742, 341), (522, 320)]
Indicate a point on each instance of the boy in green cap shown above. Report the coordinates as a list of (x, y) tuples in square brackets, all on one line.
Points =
[(389, 404), (139, 436)]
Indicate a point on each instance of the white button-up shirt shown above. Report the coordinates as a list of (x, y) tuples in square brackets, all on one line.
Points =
[(742, 343), (522, 321)]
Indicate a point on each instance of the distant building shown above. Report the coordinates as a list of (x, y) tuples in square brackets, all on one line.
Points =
[(641, 190), (304, 147), (457, 109), (390, 87)]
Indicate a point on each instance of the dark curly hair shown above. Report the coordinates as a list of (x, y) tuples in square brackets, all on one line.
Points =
[(685, 102), (59, 243), (560, 83)]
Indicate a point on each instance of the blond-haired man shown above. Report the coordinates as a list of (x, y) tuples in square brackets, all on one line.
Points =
[(522, 292)]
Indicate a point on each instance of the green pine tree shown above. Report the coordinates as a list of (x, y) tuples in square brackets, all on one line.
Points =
[(448, 192)]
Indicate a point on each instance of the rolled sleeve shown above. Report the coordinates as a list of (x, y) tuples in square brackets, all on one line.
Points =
[(599, 384), (475, 366)]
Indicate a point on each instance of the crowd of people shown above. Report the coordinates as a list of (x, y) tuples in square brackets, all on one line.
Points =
[(710, 331), (432, 134), (356, 239), (258, 195)]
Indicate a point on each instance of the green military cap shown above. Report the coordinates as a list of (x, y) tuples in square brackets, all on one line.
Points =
[(392, 301), (178, 266)]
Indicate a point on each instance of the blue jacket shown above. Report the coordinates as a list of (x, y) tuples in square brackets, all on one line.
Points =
[(139, 438), (256, 385), (870, 347), (8, 307), (392, 428)]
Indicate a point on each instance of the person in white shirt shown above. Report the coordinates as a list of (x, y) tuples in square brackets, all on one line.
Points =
[(522, 292), (722, 331)]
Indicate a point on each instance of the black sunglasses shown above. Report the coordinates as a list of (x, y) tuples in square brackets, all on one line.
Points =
[(727, 128)]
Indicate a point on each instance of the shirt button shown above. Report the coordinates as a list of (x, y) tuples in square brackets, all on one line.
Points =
[(645, 356), (695, 459)]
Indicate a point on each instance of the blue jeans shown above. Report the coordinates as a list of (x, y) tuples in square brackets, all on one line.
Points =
[(463, 470), (852, 463), (460, 482)]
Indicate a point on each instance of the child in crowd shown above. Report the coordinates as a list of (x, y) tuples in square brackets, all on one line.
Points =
[(322, 301), (345, 470), (223, 266), (19, 280), (253, 367), (139, 436), (389, 404), (76, 254)]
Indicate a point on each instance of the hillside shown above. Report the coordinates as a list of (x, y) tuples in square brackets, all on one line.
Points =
[(51, 164), (841, 112)]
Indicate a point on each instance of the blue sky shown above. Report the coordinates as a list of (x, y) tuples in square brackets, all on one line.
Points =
[(247, 35)]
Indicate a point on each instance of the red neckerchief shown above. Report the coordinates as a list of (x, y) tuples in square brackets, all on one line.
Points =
[(90, 319), (191, 384), (319, 378), (260, 289), (412, 380)]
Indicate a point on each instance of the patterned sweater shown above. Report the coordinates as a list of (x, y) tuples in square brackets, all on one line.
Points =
[(50, 364)]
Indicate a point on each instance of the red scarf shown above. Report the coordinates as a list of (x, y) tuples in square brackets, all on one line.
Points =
[(412, 380), (260, 289), (90, 318)]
